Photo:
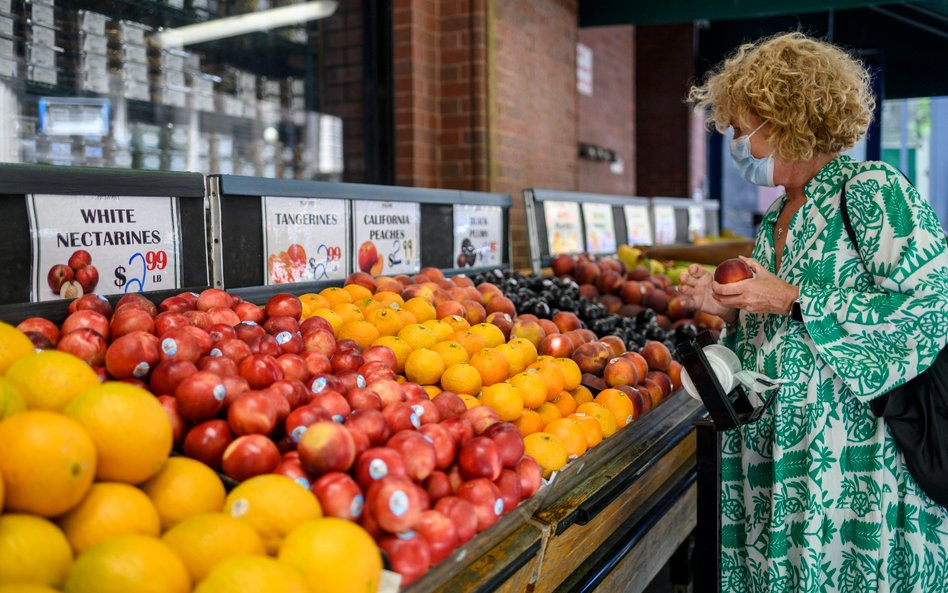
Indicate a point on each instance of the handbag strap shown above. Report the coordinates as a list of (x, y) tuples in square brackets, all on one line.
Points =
[(847, 224)]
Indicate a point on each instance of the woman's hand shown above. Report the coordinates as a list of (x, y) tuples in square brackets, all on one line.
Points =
[(696, 292), (764, 293)]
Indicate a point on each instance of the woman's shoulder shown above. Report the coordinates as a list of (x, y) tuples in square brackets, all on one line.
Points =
[(875, 174)]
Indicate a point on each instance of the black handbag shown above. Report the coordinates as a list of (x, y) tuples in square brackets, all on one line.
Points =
[(916, 413)]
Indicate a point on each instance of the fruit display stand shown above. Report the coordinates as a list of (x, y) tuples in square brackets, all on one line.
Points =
[(78, 206)]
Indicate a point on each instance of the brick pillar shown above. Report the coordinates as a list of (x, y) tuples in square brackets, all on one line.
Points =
[(664, 56)]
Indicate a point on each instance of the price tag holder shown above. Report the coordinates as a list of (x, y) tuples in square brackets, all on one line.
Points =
[(103, 244), (478, 235), (664, 224), (638, 226), (600, 228), (696, 224), (563, 232), (304, 239), (387, 237)]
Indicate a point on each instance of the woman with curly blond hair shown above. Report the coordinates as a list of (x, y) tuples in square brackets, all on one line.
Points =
[(816, 496)]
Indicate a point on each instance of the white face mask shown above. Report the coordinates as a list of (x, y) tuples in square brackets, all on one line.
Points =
[(754, 170)]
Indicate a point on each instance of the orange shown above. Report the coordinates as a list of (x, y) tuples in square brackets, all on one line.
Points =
[(590, 427), (472, 342), (492, 335), (553, 378), (528, 349), (49, 379), (529, 422), (603, 415), (451, 353), (273, 505), (334, 555), (424, 367), (441, 329), (565, 402), (362, 333), (334, 319), (515, 358), (531, 387), (549, 412), (314, 301), (421, 309), (203, 541), (12, 401), (548, 451), (131, 430), (336, 296), (128, 564), (545, 358), (183, 488), (400, 347), (492, 366), (47, 462), (418, 336), (32, 550), (253, 574), (461, 378), (582, 395), (368, 305), (348, 312), (469, 400), (405, 316), (432, 390), (358, 292), (27, 588), (14, 345), (387, 298), (572, 376), (505, 399), (457, 323), (618, 403), (571, 434), (108, 510)]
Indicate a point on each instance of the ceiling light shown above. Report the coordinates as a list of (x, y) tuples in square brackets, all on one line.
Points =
[(248, 23)]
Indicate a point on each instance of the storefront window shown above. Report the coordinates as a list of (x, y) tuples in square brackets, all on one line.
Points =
[(111, 84)]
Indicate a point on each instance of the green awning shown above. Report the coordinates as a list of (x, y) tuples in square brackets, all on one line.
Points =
[(595, 13)]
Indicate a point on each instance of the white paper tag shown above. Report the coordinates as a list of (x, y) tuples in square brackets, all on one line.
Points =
[(478, 235), (305, 239), (600, 228), (387, 237), (563, 231), (390, 582)]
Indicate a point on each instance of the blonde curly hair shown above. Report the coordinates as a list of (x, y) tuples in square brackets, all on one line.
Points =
[(816, 97)]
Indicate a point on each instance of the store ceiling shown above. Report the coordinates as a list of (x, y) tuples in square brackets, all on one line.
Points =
[(906, 41)]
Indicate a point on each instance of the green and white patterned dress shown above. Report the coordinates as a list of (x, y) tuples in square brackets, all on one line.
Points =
[(816, 496)]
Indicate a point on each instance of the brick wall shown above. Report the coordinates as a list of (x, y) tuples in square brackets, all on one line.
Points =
[(607, 118), (533, 102), (440, 93), (664, 57), (341, 88)]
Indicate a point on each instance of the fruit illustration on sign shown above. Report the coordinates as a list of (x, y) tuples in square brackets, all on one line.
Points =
[(76, 277), (369, 260), (287, 266)]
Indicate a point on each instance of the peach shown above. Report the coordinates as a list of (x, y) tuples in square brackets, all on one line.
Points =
[(528, 329), (732, 270), (450, 308), (656, 355), (587, 273), (592, 357), (563, 265), (620, 371), (641, 365), (501, 304), (616, 344)]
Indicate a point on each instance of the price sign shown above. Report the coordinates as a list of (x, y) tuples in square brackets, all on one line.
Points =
[(304, 239), (696, 223), (478, 235), (600, 228), (563, 233), (664, 225), (387, 237), (103, 244), (637, 224)]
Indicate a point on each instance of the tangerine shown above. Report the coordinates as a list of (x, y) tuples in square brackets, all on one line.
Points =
[(183, 488), (548, 451), (492, 365), (418, 336), (572, 435), (424, 367), (590, 426), (618, 403), (205, 540), (529, 423), (461, 378), (108, 510), (362, 333), (505, 399), (603, 415), (531, 387)]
